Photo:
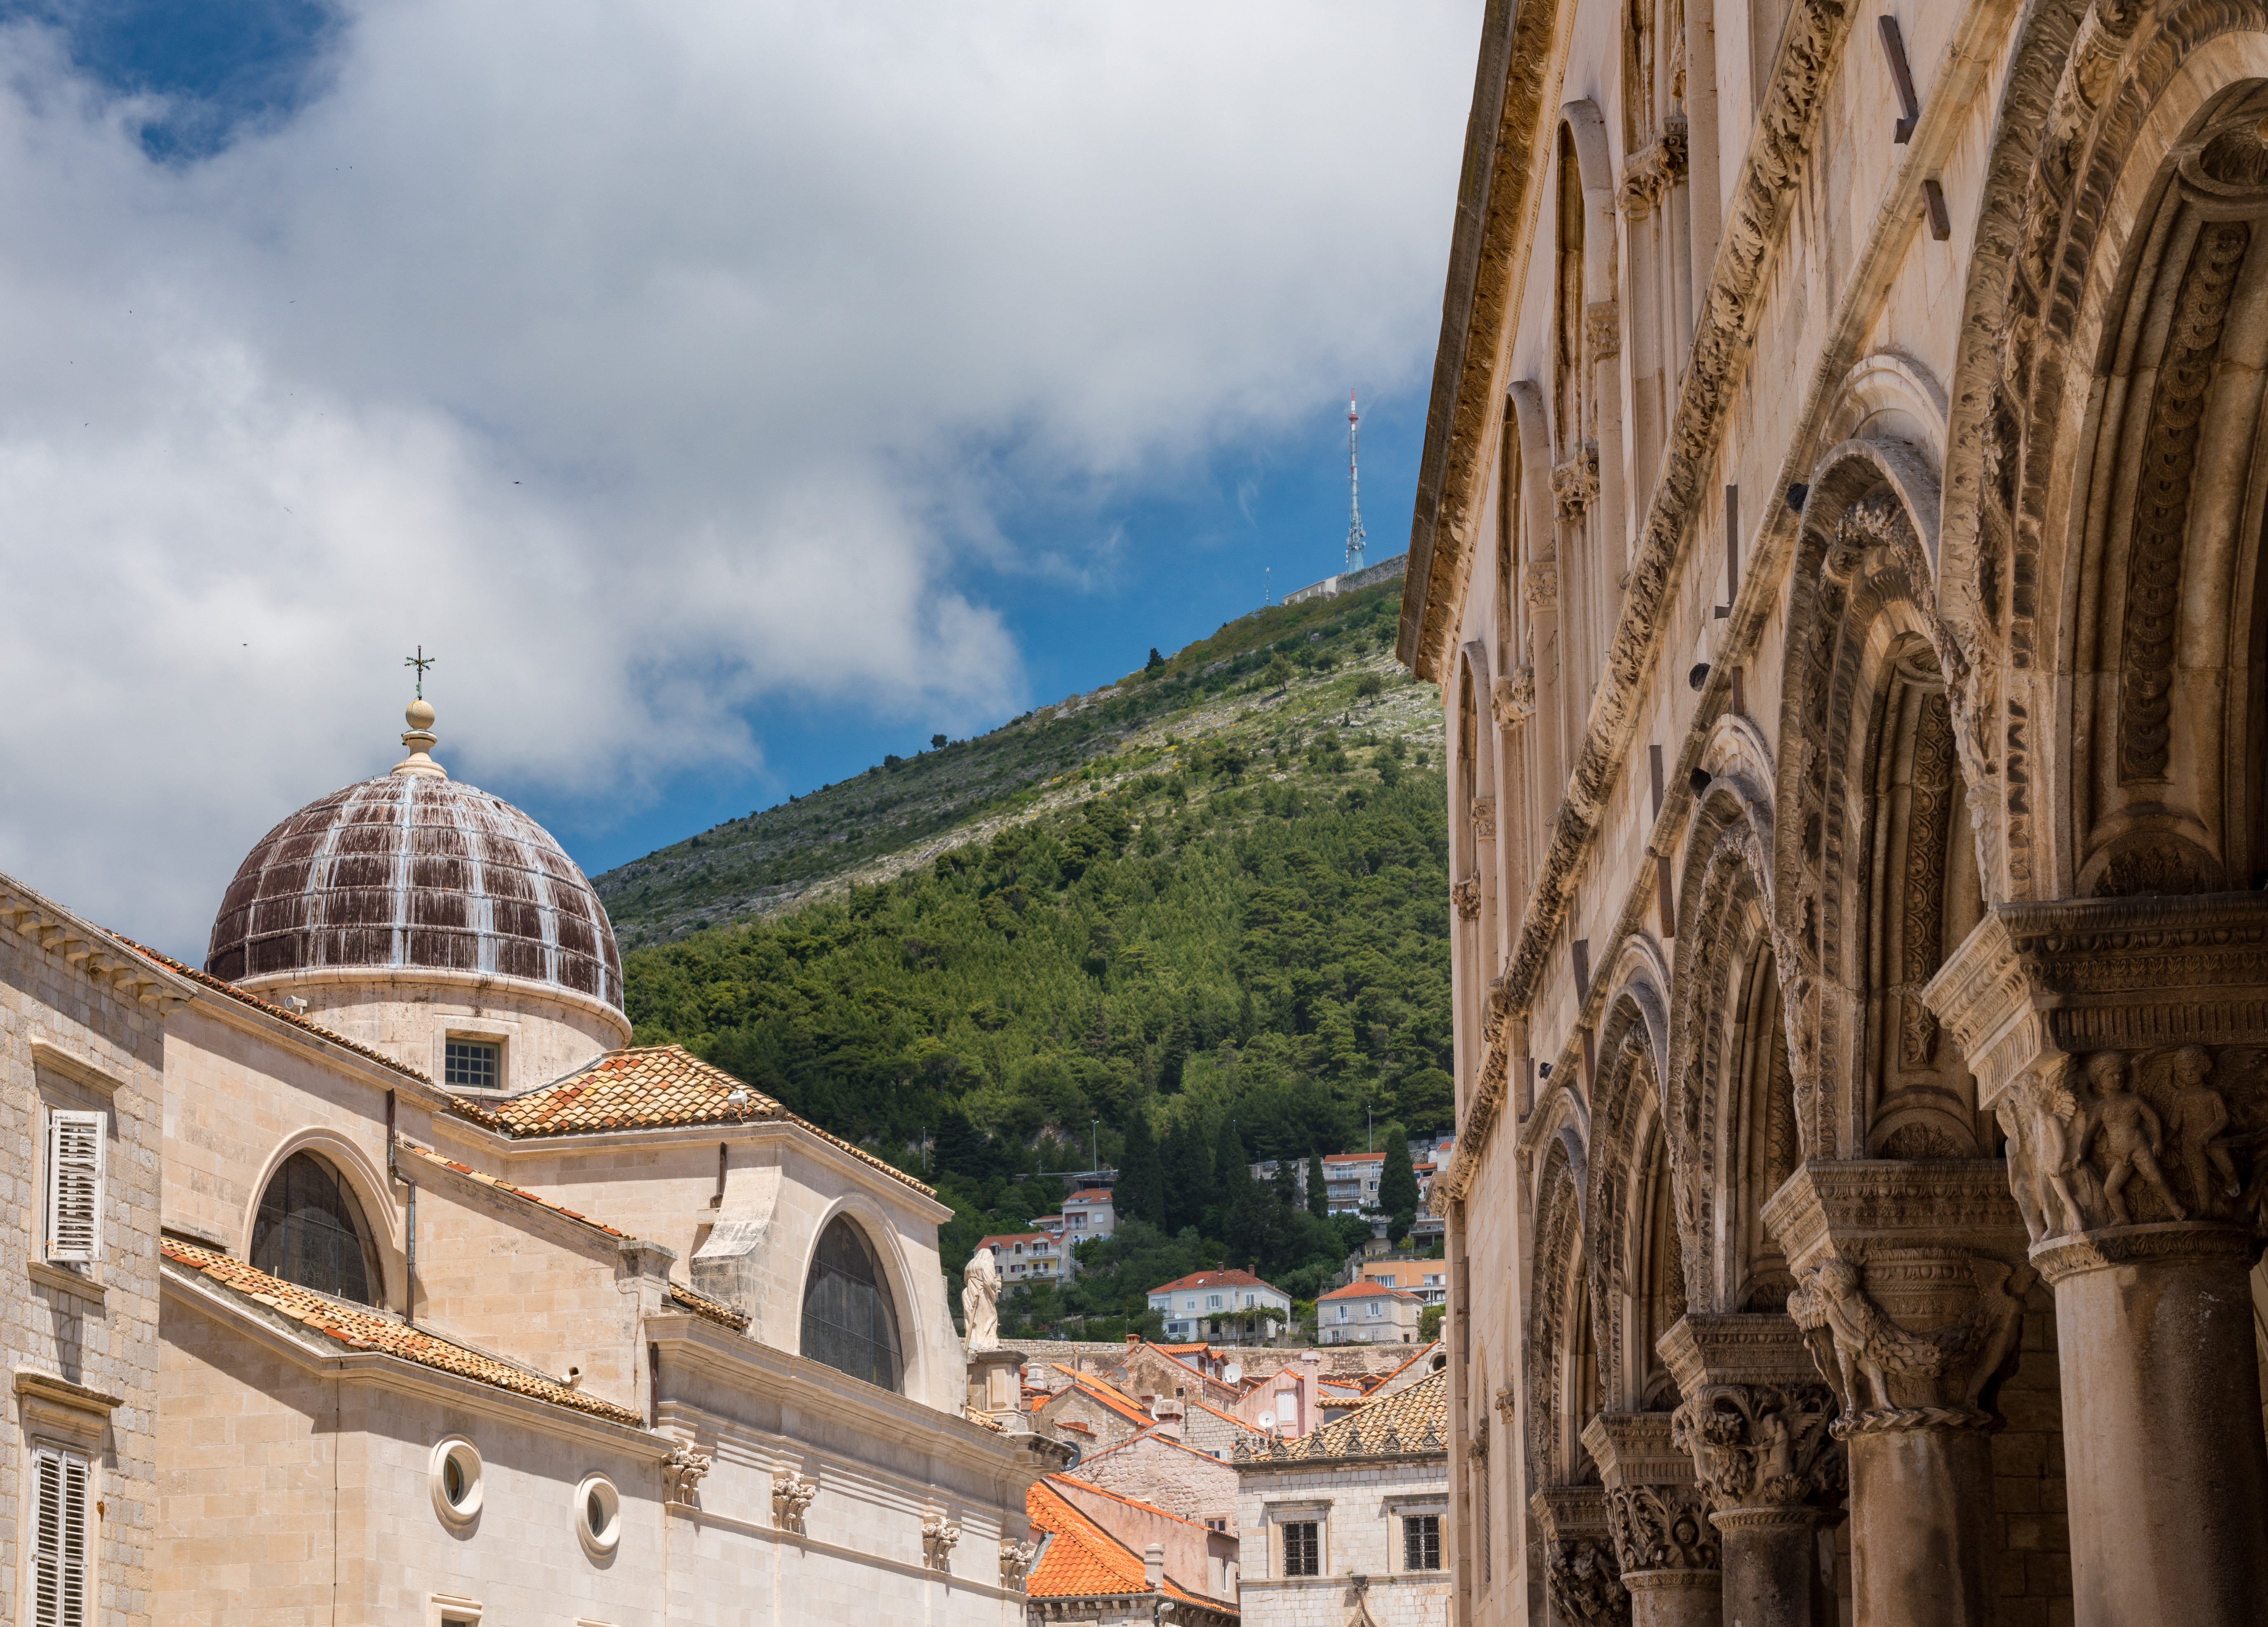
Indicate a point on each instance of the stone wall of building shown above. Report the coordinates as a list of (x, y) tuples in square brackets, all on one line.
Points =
[(1360, 1504), (81, 1030), (1182, 1479)]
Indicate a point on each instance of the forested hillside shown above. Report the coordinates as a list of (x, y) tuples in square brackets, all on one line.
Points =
[(1220, 933)]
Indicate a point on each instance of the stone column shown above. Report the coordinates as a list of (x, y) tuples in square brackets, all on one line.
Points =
[(1663, 1541), (1754, 1423), (1581, 1577), (2124, 1044), (1911, 1281)]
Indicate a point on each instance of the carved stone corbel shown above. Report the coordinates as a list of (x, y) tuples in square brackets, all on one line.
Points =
[(1016, 1563), (681, 1472), (1543, 582), (1512, 701), (1581, 1573), (1484, 819), (1575, 483), (1664, 1542), (1466, 894), (939, 1536), (791, 1495)]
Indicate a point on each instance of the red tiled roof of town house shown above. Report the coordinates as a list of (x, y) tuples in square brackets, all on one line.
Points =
[(1368, 1291), (1351, 1158), (1085, 1560), (1085, 1484), (1014, 1237), (359, 1328), (1110, 1394), (1414, 1420), (643, 1087), (1089, 1195), (1230, 1279)]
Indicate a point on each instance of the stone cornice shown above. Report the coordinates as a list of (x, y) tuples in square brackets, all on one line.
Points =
[(96, 953), (1736, 1347)]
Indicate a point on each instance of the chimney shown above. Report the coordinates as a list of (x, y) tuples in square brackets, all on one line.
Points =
[(1133, 1342), (1154, 1567)]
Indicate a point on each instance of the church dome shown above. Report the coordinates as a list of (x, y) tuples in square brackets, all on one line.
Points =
[(415, 872)]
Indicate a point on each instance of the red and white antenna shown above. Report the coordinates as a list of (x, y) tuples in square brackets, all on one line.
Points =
[(1354, 491)]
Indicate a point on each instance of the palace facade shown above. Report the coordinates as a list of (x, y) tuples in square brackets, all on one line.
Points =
[(1837, 545)]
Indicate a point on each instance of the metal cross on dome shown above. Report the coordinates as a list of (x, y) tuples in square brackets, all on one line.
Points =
[(421, 661)]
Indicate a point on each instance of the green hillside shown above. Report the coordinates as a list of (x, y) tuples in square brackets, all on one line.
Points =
[(1203, 918)]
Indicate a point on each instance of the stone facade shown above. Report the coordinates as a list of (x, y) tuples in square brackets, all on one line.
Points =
[(1837, 546), (82, 1029)]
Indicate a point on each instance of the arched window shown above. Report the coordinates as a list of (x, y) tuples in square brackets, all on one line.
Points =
[(310, 1230), (848, 1320)]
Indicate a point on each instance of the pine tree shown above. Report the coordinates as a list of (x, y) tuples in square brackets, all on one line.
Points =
[(1141, 1194), (1398, 1182), (1232, 1176), (1319, 1192), (1188, 1163)]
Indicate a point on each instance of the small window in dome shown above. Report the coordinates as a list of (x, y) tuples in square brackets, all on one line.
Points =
[(471, 1064)]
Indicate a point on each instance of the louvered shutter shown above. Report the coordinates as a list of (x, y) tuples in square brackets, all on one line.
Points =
[(75, 1142), (58, 1539)]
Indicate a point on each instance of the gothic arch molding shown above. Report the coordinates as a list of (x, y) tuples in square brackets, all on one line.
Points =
[(364, 1178)]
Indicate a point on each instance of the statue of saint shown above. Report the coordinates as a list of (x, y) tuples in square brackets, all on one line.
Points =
[(980, 1302)]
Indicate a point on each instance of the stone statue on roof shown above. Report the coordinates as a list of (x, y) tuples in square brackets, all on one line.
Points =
[(980, 1302)]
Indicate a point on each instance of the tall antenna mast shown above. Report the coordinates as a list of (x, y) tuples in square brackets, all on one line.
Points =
[(1354, 492)]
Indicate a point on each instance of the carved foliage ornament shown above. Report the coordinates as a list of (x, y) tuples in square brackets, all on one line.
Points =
[(1933, 1380), (1542, 587), (1662, 1528), (1603, 330), (1584, 1584), (1467, 896), (1484, 819), (1653, 171), (2115, 1139)]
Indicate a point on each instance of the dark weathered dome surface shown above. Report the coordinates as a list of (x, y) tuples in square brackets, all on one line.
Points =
[(415, 870)]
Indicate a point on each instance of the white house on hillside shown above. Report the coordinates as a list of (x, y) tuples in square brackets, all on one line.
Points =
[(1229, 1306)]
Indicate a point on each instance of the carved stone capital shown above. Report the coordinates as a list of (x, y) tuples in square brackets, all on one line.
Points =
[(1581, 1573), (2060, 1258), (1466, 894), (1653, 171), (939, 1536), (1760, 1444), (1575, 483), (1659, 1517), (1512, 701), (1484, 819)]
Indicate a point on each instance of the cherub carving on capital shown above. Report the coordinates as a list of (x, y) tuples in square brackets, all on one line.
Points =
[(1942, 1375), (1759, 1444)]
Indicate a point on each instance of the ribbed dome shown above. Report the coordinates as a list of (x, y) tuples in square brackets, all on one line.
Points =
[(415, 870)]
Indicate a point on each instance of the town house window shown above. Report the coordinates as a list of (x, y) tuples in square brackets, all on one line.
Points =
[(75, 1149), (1303, 1548), (61, 1586), (1421, 1542)]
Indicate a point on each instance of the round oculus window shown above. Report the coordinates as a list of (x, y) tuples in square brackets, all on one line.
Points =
[(597, 1517), (456, 1480)]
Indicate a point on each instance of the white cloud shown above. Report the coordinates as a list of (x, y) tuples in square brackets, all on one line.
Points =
[(652, 363)]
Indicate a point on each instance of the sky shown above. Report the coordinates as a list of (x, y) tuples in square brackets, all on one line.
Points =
[(725, 393)]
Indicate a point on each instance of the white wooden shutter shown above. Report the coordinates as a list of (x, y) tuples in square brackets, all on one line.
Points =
[(58, 1539), (75, 1143)]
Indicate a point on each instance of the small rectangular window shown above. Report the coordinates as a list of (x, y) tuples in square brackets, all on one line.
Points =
[(1421, 1542), (1303, 1549), (471, 1064), (59, 1574), (75, 1148)]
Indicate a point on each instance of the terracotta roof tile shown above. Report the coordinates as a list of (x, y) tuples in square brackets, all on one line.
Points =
[(716, 1310), (1368, 1291), (506, 1188), (359, 1328), (643, 1087), (1108, 1395), (1410, 1422), (1083, 1560), (1216, 1279)]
